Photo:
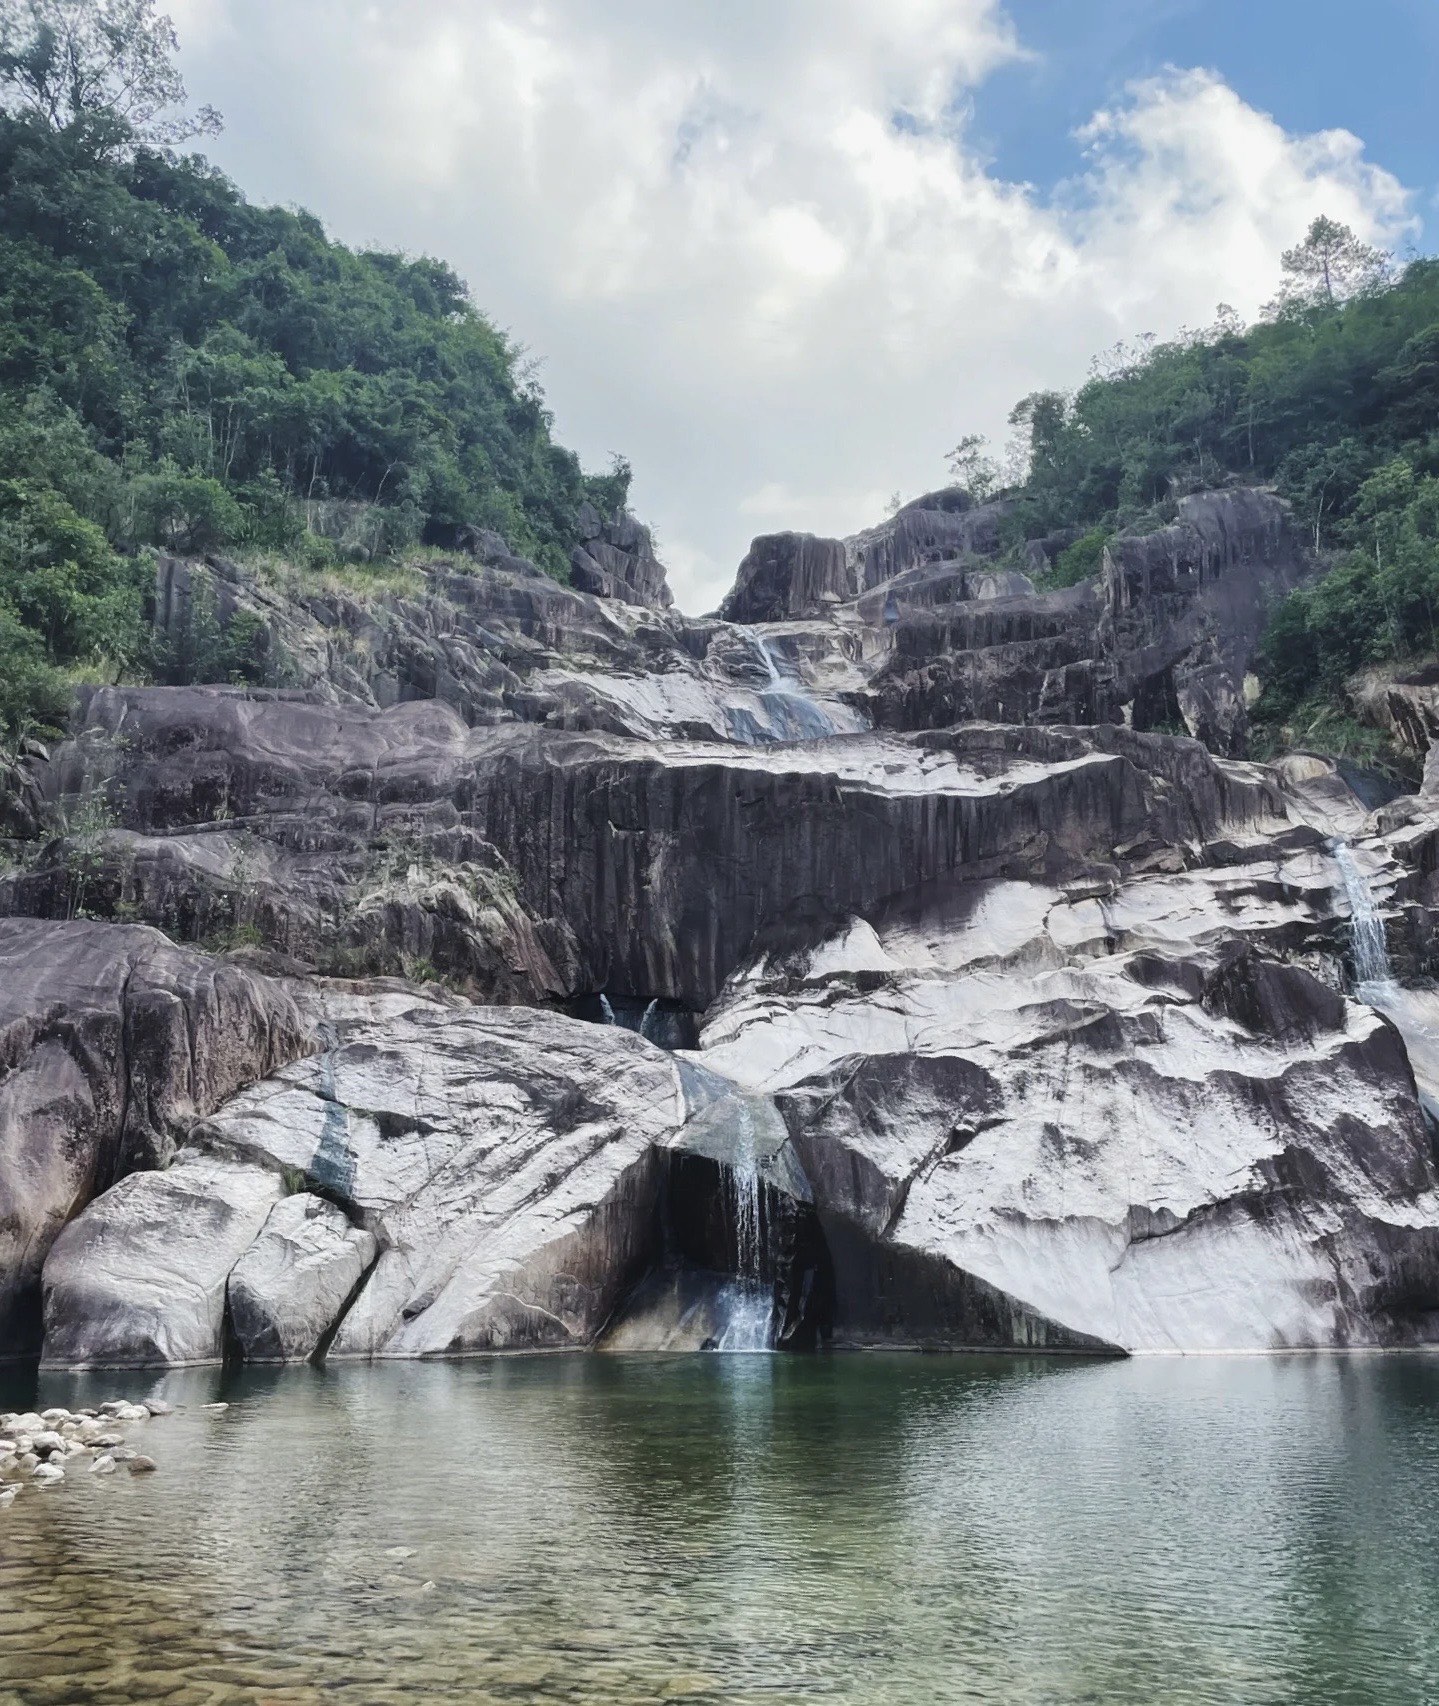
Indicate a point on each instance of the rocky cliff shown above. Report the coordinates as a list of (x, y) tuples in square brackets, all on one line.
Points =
[(510, 965)]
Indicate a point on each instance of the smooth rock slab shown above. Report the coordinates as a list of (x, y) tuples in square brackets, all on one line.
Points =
[(139, 1279), (289, 1287), (506, 1160), (112, 1041)]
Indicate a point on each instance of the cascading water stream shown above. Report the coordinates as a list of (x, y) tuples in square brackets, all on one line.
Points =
[(750, 1305), (1410, 1011), (607, 1012), (766, 651), (1368, 944), (799, 714)]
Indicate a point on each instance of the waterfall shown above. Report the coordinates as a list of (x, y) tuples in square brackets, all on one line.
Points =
[(750, 1301), (607, 1011), (1368, 946), (797, 713), (766, 651), (648, 1026)]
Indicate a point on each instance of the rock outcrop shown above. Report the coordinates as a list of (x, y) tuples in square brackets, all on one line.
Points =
[(995, 1010), (616, 559), (1104, 1116), (112, 1042), (796, 574), (488, 1179), (550, 864)]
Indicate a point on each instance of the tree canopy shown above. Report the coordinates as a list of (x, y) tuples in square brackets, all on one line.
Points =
[(182, 369), (1332, 398), (74, 62)]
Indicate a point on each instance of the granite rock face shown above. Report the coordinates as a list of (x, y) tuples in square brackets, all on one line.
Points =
[(796, 574), (995, 1012), (595, 863), (492, 1179), (139, 1279), (617, 560), (112, 1042), (1103, 1116), (291, 1285)]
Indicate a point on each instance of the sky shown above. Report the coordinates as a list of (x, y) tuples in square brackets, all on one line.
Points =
[(783, 254)]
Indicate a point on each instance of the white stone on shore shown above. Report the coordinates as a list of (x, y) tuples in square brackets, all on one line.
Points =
[(103, 1465), (47, 1472)]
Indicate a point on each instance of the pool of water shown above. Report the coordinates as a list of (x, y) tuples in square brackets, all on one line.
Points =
[(751, 1529)]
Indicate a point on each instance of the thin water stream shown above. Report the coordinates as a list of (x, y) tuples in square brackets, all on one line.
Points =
[(1368, 943)]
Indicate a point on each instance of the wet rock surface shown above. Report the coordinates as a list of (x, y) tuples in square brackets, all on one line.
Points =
[(882, 974)]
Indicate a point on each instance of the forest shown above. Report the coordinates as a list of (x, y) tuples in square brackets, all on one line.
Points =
[(1332, 397), (183, 370)]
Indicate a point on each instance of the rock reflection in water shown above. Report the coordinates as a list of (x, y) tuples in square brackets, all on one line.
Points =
[(747, 1529)]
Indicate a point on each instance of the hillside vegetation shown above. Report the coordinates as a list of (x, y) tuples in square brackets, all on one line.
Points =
[(1333, 398), (181, 369)]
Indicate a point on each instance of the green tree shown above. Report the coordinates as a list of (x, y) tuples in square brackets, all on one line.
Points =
[(75, 62), (1331, 265), (973, 467)]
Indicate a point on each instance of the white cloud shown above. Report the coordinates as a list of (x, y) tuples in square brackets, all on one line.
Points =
[(779, 299)]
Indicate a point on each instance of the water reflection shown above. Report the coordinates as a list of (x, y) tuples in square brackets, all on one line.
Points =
[(862, 1529)]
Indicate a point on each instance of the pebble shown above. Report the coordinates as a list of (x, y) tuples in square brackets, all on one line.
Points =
[(399, 1551), (41, 1444), (220, 1406)]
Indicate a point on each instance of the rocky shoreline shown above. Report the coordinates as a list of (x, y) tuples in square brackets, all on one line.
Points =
[(38, 1448)]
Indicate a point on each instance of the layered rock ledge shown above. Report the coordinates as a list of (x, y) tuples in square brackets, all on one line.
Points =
[(525, 967)]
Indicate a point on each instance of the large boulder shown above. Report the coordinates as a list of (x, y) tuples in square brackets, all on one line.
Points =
[(139, 1279), (464, 1179), (112, 1042), (789, 574), (291, 1285), (1101, 1116)]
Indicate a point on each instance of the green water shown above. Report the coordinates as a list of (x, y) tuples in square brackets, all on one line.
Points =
[(748, 1529)]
